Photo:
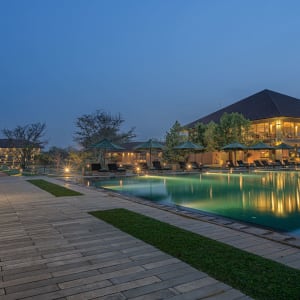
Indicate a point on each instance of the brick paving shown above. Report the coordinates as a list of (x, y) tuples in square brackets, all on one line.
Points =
[(50, 248)]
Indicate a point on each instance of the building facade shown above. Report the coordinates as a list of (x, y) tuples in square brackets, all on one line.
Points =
[(12, 152), (275, 118)]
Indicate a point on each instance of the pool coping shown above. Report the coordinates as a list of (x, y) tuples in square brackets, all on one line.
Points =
[(240, 226), (249, 228)]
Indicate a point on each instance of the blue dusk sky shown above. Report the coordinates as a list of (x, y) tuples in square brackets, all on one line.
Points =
[(154, 61)]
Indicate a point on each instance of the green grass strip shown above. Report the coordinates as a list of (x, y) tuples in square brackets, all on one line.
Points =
[(253, 275), (54, 189)]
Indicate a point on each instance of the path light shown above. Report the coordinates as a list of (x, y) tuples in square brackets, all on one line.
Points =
[(67, 170)]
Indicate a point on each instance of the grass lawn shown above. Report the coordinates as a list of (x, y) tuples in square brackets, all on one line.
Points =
[(54, 189), (253, 275)]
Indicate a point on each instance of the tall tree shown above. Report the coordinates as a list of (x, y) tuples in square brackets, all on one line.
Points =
[(78, 158), (58, 156), (232, 128), (210, 141), (91, 128), (197, 134), (27, 140), (173, 138)]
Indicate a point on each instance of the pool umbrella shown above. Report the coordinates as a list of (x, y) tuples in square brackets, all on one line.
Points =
[(234, 147), (149, 145), (106, 145), (284, 146), (189, 146), (261, 146)]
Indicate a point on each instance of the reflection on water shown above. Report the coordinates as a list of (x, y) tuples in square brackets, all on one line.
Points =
[(270, 199)]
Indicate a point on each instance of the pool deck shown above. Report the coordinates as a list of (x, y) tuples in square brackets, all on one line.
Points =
[(50, 248)]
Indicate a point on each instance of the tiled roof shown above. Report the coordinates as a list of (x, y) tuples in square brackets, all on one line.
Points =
[(9, 143), (263, 105), (130, 146)]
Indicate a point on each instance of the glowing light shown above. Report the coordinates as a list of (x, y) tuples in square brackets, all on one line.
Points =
[(67, 170)]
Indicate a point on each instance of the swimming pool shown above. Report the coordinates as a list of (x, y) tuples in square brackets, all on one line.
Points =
[(269, 199)]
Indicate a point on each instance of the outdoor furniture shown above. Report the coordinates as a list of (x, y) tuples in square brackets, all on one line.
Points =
[(230, 164), (289, 163), (279, 163), (182, 165), (113, 167), (242, 164), (266, 164), (258, 164), (143, 166), (196, 166), (97, 167), (157, 166)]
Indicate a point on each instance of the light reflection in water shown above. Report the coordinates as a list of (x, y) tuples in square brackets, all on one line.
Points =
[(270, 199)]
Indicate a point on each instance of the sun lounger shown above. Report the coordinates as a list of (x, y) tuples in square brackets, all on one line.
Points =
[(289, 163), (230, 164), (241, 164), (157, 166), (113, 167), (258, 164), (183, 165), (279, 163), (143, 166), (97, 167), (266, 164), (196, 166)]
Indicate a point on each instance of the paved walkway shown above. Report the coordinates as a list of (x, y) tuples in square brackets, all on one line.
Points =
[(50, 248)]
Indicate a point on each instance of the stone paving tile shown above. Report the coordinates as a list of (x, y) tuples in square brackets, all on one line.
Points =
[(75, 249), (24, 279), (52, 280), (157, 295), (230, 294), (204, 292), (254, 246), (118, 296), (109, 263), (53, 270), (10, 273), (181, 272), (90, 259), (290, 259), (131, 247), (295, 242), (196, 284), (57, 251), (139, 255), (99, 277), (72, 292), (139, 291), (278, 255), (33, 292), (14, 261), (160, 263), (140, 283), (129, 263)]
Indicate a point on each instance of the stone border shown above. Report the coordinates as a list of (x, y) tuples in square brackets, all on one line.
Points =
[(258, 231)]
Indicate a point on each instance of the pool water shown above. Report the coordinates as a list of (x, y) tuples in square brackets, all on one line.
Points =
[(269, 199)]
